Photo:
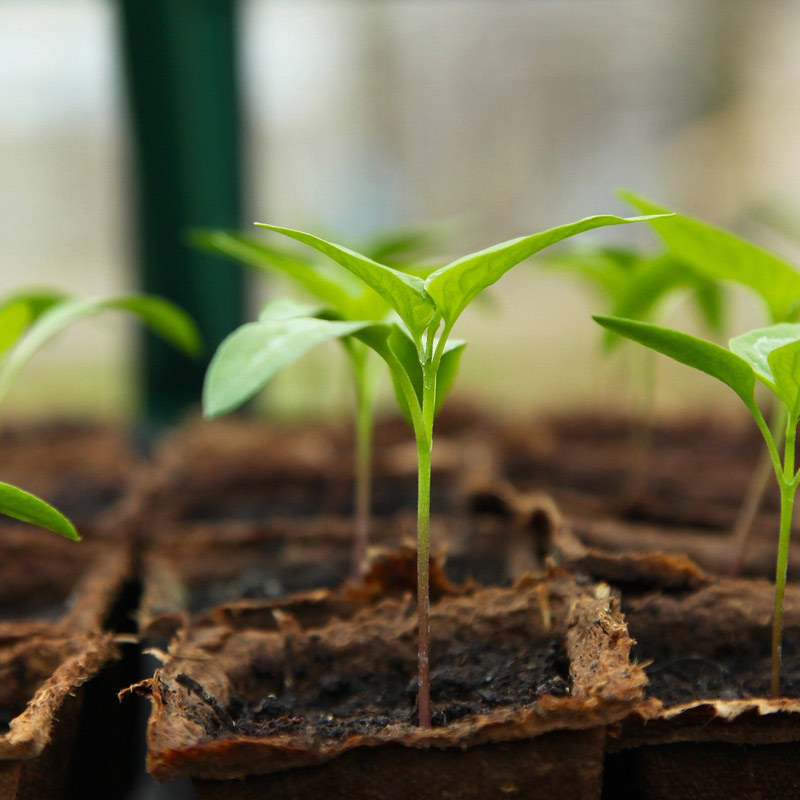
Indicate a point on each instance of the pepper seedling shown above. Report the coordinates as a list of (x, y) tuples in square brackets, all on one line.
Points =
[(772, 357), (417, 349), (344, 297), (719, 255), (28, 320), (634, 285)]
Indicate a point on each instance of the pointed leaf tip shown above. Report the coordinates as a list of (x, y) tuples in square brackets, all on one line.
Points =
[(26, 507), (454, 286), (404, 293)]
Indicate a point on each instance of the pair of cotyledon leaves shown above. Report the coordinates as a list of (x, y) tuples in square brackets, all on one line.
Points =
[(28, 320), (250, 356)]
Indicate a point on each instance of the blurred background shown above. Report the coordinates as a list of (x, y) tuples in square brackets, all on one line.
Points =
[(497, 119)]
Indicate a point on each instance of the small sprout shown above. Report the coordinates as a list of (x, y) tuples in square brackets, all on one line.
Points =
[(28, 320), (634, 285), (421, 359), (772, 357), (342, 297)]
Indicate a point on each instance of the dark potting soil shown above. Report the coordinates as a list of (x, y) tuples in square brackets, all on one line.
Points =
[(474, 679), (308, 497), (676, 679), (263, 583), (592, 455), (486, 569)]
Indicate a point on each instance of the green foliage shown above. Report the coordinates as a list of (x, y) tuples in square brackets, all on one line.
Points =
[(772, 356), (708, 357), (455, 285), (162, 317), (19, 310), (722, 256), (404, 293), (330, 285), (26, 507), (633, 285), (28, 320), (422, 362), (248, 358)]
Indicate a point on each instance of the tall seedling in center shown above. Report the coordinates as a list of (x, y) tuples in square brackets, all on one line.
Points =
[(421, 359)]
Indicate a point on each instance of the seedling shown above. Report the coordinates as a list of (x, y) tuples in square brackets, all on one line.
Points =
[(417, 349), (635, 285), (771, 356), (342, 297), (721, 256), (29, 320)]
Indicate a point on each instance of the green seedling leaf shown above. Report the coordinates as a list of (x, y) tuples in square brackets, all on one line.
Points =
[(654, 279), (37, 300), (19, 310), (708, 357), (720, 255), (710, 301), (404, 293), (756, 346), (339, 291), (248, 358), (162, 317), (448, 369), (14, 320), (454, 286), (609, 269), (287, 308), (27, 507), (784, 364)]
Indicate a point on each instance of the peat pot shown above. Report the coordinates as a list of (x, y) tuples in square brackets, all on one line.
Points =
[(236, 573), (41, 680), (711, 730), (524, 682)]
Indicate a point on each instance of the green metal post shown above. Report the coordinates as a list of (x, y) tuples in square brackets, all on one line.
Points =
[(180, 65)]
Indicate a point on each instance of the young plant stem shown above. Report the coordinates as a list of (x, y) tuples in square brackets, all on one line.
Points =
[(788, 486), (424, 449), (755, 493), (363, 469)]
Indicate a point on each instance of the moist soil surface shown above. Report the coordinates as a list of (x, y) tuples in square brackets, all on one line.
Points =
[(265, 583), (675, 679), (687, 465), (307, 497), (473, 679)]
